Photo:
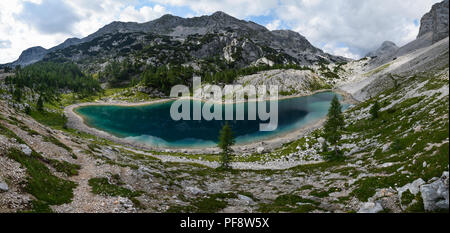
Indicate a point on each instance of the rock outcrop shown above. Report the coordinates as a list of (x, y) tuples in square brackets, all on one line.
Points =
[(435, 194), (297, 82), (435, 22)]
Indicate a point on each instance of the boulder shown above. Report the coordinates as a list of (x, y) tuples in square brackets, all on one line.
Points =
[(260, 150), (3, 187), (435, 195), (26, 149), (321, 140), (246, 199), (413, 187), (371, 208), (195, 190)]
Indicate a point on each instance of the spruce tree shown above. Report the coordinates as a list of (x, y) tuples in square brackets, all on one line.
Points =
[(40, 104), (226, 140), (374, 110), (17, 95), (334, 124)]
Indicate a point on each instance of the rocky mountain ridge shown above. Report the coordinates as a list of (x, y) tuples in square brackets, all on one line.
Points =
[(219, 34)]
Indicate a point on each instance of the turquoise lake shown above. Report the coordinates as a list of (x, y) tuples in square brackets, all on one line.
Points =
[(152, 124)]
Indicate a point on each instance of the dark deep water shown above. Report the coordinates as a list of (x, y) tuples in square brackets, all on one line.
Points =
[(152, 124)]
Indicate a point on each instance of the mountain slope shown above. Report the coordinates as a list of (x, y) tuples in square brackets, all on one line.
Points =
[(207, 37), (372, 76), (433, 28)]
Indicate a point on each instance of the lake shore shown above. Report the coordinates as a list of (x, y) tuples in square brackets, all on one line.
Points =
[(77, 122)]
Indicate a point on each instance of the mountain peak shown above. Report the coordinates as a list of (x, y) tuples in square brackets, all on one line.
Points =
[(168, 17), (388, 44), (221, 14), (386, 47)]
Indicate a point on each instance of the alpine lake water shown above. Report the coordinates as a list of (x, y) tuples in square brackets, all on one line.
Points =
[(152, 124)]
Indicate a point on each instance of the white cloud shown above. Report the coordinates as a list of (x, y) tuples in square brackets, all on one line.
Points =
[(361, 25), (274, 25), (144, 14), (236, 8), (48, 16), (339, 51), (20, 35)]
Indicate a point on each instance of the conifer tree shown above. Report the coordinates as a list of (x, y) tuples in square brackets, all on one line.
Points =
[(374, 110), (40, 104), (334, 124), (226, 140)]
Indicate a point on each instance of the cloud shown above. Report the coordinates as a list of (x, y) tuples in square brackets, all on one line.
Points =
[(49, 16), (335, 49), (236, 8), (5, 44), (274, 25), (144, 14), (361, 25)]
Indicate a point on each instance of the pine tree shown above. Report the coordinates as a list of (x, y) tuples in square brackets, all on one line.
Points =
[(17, 95), (334, 124), (40, 104), (374, 110), (226, 140)]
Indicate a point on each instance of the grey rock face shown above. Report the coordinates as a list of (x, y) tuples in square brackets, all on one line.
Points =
[(30, 56), (413, 187), (385, 48), (436, 21), (435, 195)]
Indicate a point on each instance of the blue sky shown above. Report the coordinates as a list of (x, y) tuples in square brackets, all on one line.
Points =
[(349, 28)]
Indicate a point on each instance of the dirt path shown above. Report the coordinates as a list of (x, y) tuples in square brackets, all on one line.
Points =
[(84, 200)]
